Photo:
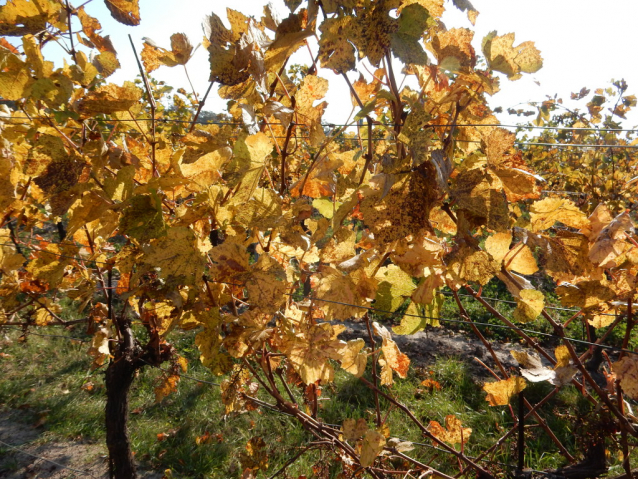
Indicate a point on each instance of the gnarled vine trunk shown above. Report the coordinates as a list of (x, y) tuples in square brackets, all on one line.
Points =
[(119, 377)]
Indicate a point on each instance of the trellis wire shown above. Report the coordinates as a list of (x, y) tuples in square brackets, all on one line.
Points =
[(332, 125)]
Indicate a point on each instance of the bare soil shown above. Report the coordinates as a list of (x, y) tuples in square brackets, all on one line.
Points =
[(28, 454)]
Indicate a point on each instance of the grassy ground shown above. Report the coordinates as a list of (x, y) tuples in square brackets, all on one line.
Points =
[(42, 380)]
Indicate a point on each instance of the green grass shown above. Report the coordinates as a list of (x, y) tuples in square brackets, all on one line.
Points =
[(42, 378)]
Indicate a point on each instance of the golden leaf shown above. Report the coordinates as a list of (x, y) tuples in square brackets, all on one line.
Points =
[(468, 264), (481, 194), (142, 219), (545, 213), (109, 99), (153, 56), (51, 262), (500, 392), (168, 386), (266, 284), (90, 26), (393, 358), (177, 256), (521, 260), (206, 170), (627, 371), (23, 17), (310, 349), (503, 56), (15, 79), (10, 259), (610, 242), (453, 433), (353, 359), (372, 444), (529, 305), (585, 294), (124, 11), (498, 245), (209, 344), (455, 43), (344, 292), (353, 430), (335, 48), (394, 285)]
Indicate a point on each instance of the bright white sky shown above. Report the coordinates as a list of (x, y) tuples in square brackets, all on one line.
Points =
[(584, 43)]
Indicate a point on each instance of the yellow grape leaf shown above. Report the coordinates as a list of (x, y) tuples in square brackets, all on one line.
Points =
[(600, 316), (344, 292), (544, 213), (178, 256), (529, 305), (500, 392), (405, 41), (153, 56), (498, 245), (289, 37), (371, 445), (99, 349), (521, 260), (353, 430), (168, 386), (206, 170), (266, 284), (452, 433), (504, 57), (627, 371), (610, 243), (23, 17), (585, 294), (51, 262), (109, 99), (90, 26), (456, 44), (124, 11), (161, 315), (386, 373), (417, 317), (249, 156), (393, 358), (209, 343), (563, 357), (142, 219), (10, 259), (394, 285), (481, 194), (353, 359), (106, 63), (310, 349), (335, 47), (470, 265), (182, 362)]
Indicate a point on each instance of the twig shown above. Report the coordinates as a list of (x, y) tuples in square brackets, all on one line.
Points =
[(200, 106), (151, 101), (374, 370)]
